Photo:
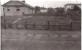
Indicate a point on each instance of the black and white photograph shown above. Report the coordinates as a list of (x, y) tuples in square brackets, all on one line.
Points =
[(40, 24)]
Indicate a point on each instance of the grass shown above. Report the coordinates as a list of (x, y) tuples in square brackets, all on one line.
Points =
[(40, 40)]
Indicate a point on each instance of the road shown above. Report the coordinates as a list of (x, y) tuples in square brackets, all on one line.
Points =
[(40, 40)]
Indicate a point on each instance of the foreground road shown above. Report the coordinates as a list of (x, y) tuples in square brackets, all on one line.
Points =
[(40, 40)]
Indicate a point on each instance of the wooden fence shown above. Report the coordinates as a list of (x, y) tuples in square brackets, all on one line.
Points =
[(38, 27)]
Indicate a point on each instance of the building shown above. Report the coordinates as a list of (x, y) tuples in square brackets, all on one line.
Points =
[(40, 9), (74, 11), (1, 12), (71, 6), (43, 10), (17, 8)]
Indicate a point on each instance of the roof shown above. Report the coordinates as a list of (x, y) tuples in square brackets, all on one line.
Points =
[(16, 4), (72, 4)]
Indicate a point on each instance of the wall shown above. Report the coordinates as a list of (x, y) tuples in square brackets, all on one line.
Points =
[(13, 12), (40, 22), (43, 22)]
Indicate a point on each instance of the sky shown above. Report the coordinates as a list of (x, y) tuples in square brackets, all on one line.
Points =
[(46, 3)]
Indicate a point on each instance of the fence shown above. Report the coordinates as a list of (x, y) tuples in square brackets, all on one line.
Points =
[(38, 27)]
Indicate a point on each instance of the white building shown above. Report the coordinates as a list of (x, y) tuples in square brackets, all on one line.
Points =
[(71, 6), (17, 8), (43, 10)]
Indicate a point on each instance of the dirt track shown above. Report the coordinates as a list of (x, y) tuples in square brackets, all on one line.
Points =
[(40, 40)]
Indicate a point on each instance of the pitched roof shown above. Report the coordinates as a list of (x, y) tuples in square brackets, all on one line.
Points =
[(73, 4), (17, 4)]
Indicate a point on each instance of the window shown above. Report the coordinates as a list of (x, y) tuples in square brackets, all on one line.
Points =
[(17, 9), (8, 9)]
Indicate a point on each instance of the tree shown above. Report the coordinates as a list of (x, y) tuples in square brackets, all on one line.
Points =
[(76, 8), (51, 11), (37, 9), (59, 11), (76, 11)]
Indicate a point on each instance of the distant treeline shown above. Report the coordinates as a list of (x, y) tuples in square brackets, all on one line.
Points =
[(58, 11)]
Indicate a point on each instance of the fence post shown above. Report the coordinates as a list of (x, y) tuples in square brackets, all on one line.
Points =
[(71, 26), (33, 26), (48, 25)]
